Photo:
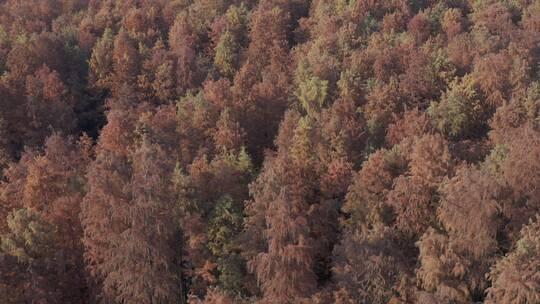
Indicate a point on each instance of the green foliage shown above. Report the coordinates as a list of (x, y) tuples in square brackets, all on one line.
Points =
[(101, 61), (237, 14), (495, 160), (243, 161), (225, 224), (444, 71), (460, 113), (30, 238), (312, 95), (224, 228), (532, 102), (226, 58), (303, 146), (3, 35), (196, 103), (238, 22), (370, 25), (23, 38)]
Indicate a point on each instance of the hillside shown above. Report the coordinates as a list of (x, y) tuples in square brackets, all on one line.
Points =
[(270, 151)]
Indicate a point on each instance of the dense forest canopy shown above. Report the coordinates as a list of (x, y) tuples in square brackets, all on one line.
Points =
[(270, 151)]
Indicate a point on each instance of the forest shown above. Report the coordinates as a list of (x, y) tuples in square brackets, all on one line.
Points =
[(269, 151)]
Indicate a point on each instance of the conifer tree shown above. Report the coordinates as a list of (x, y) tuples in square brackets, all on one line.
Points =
[(515, 277), (285, 269), (101, 61), (144, 259), (29, 249)]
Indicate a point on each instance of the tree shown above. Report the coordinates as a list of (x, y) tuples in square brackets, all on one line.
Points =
[(470, 210), (420, 28), (101, 61), (31, 241), (312, 95), (51, 184), (210, 194), (454, 262), (137, 204), (490, 74), (145, 257), (48, 106), (108, 185), (518, 158), (117, 136), (292, 182), (196, 121), (289, 255), (345, 130), (225, 226), (370, 187), (226, 58), (413, 123), (367, 265), (514, 277), (460, 113), (183, 45), (160, 68), (126, 60), (229, 136), (414, 195), (453, 22)]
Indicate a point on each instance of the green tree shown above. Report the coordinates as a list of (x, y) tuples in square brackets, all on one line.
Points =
[(225, 225), (31, 241), (101, 61), (226, 58), (312, 95), (461, 113)]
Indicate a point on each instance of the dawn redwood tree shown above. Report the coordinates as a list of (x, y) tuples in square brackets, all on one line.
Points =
[(345, 130), (365, 262), (367, 265), (462, 111), (395, 150), (262, 85), (517, 160), (366, 196), (412, 123), (126, 61), (227, 54), (515, 277), (48, 107), (290, 227), (51, 184), (210, 196), (414, 195), (108, 184), (28, 260), (183, 43), (285, 270), (146, 258), (101, 61), (196, 120), (158, 77), (131, 236), (454, 262), (109, 180), (225, 226), (229, 135)]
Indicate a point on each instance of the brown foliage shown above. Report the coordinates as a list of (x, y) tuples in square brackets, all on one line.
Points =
[(394, 144)]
